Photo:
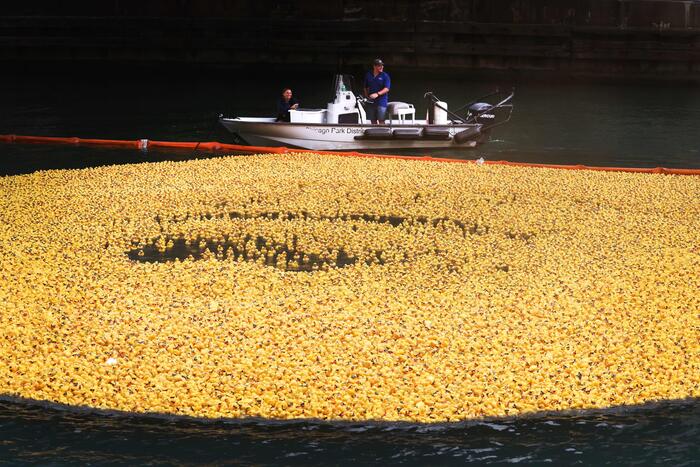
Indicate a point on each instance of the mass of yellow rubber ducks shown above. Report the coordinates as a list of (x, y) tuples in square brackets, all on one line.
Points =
[(342, 288)]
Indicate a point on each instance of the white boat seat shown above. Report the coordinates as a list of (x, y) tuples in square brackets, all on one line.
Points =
[(401, 110)]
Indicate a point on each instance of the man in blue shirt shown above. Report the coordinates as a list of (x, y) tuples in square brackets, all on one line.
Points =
[(377, 85)]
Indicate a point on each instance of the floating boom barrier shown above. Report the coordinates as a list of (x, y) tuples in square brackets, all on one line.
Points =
[(215, 146)]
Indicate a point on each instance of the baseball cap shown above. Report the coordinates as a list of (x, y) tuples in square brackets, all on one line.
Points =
[(378, 61)]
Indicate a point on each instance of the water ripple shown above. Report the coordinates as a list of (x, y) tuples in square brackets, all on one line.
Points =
[(38, 434)]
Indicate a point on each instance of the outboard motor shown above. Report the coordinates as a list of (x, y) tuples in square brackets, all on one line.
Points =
[(480, 118), (480, 113), (487, 114)]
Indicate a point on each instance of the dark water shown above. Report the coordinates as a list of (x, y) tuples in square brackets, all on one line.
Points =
[(637, 125), (665, 435), (595, 124)]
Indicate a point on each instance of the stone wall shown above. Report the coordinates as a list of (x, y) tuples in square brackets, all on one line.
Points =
[(607, 38), (624, 13)]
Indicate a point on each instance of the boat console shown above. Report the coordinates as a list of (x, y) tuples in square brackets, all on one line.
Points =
[(344, 108)]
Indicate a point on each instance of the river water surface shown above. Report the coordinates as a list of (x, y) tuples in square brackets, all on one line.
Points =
[(594, 124), (633, 125)]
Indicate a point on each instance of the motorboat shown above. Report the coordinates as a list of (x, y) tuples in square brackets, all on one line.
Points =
[(343, 124)]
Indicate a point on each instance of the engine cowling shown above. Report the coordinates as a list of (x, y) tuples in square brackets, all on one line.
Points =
[(481, 112)]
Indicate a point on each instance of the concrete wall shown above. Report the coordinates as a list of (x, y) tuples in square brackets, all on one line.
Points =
[(606, 38)]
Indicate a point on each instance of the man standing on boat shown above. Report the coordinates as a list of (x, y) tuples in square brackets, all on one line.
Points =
[(377, 85), (285, 104)]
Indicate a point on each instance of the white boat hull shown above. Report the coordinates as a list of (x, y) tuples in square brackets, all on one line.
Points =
[(334, 137)]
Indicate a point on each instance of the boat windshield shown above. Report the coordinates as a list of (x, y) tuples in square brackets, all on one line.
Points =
[(343, 83)]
